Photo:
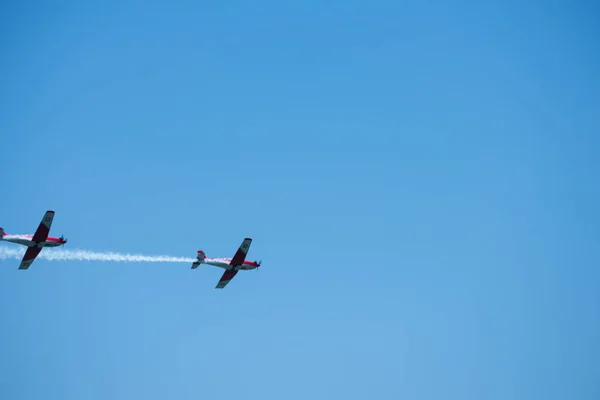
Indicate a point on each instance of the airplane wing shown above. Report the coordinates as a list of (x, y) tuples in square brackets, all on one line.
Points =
[(240, 255), (237, 259), (41, 234), (227, 276), (29, 256)]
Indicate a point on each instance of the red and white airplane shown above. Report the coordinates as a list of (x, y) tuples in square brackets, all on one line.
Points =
[(35, 243), (231, 265)]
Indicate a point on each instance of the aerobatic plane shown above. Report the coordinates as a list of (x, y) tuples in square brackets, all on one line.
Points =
[(35, 243), (231, 265)]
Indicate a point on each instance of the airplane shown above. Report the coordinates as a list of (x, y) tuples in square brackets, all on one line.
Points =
[(231, 265), (35, 243)]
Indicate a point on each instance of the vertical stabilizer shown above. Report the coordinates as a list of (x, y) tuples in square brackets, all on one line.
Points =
[(199, 259)]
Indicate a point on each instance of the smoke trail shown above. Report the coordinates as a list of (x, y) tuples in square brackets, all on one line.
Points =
[(84, 255)]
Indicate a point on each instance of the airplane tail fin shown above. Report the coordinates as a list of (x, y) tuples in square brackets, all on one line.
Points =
[(199, 259)]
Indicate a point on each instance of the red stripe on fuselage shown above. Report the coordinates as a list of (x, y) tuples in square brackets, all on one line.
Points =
[(48, 239), (228, 260)]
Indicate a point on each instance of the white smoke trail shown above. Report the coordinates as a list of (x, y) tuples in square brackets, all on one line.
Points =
[(7, 253)]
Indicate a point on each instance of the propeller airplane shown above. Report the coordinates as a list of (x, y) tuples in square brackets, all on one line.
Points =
[(231, 265), (35, 243)]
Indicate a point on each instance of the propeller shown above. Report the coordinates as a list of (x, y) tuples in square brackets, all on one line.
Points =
[(62, 237)]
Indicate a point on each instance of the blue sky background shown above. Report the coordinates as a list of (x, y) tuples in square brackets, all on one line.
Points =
[(420, 180)]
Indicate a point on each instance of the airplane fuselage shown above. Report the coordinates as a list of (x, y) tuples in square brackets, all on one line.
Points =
[(225, 264), (27, 240)]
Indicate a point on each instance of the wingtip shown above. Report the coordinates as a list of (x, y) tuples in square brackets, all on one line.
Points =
[(50, 211)]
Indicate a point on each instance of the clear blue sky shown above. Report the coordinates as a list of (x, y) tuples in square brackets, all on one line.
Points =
[(421, 183)]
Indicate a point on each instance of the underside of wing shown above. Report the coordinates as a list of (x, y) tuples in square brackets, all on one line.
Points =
[(240, 255), (30, 255), (42, 232), (227, 276)]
